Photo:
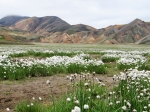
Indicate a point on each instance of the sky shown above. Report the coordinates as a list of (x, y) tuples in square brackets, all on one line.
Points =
[(96, 13)]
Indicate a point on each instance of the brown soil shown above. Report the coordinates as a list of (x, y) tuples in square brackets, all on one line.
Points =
[(12, 92)]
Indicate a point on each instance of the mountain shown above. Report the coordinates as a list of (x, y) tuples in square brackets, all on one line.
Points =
[(144, 40), (10, 20), (42, 24), (133, 32), (52, 29)]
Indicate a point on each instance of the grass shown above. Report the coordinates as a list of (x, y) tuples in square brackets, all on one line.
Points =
[(40, 69), (17, 73), (88, 93), (27, 106), (32, 53), (109, 59)]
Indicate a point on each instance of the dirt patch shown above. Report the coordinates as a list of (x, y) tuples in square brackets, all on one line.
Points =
[(13, 92)]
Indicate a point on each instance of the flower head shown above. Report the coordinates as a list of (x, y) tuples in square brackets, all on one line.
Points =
[(48, 82), (134, 110), (98, 96), (33, 98), (86, 106), (32, 104), (76, 102), (68, 99), (7, 109), (40, 98), (124, 108), (76, 109)]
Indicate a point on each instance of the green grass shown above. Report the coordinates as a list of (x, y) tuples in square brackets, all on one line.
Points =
[(33, 53), (27, 106), (17, 73), (88, 91), (126, 91), (42, 70), (109, 59)]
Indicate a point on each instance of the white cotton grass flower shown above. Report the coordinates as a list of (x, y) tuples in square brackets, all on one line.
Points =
[(98, 96), (117, 102), (76, 102), (102, 84), (138, 97), (110, 104), (128, 104), (32, 104), (73, 110), (71, 79), (48, 82), (86, 106), (144, 90), (40, 98), (7, 109), (74, 98), (76, 109), (137, 90), (124, 108), (33, 98), (86, 84), (68, 99), (134, 110), (68, 77), (89, 89), (145, 107), (141, 94), (110, 93)]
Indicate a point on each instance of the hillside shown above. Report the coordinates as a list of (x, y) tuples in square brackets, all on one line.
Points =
[(10, 20), (133, 32), (52, 29)]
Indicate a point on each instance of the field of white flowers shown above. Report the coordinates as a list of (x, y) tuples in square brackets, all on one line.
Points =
[(130, 68)]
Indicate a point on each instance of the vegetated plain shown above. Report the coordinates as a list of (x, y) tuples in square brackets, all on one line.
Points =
[(84, 66)]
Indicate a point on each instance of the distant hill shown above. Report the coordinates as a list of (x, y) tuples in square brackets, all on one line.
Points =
[(10, 20), (133, 32), (52, 29), (42, 24)]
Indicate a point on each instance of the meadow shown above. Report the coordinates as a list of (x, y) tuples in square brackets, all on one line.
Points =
[(128, 65)]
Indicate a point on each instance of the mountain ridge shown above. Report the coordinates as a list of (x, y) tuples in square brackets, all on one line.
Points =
[(52, 29)]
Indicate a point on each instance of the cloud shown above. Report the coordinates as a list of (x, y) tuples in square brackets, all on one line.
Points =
[(96, 13)]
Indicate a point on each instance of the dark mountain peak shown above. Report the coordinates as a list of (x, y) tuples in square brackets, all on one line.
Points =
[(133, 31), (42, 24), (49, 17), (79, 28), (136, 21), (10, 20), (84, 27)]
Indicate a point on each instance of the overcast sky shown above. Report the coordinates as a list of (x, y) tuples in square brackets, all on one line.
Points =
[(96, 13)]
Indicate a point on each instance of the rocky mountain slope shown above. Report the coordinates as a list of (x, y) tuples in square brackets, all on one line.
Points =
[(52, 29), (10, 20), (133, 32)]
